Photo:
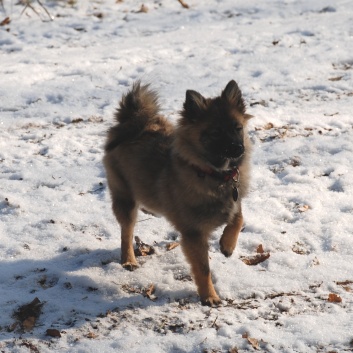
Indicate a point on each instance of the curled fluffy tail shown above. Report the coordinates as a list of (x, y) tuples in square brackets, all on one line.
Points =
[(137, 107), (140, 102)]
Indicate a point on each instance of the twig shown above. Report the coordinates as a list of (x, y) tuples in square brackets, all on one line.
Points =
[(214, 322), (27, 2), (183, 4), (45, 9), (2, 6)]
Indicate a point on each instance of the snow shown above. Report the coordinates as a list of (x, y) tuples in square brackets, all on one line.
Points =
[(60, 83)]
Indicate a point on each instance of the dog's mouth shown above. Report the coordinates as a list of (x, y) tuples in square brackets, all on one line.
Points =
[(224, 161)]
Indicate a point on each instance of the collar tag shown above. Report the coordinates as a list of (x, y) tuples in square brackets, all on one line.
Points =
[(235, 185)]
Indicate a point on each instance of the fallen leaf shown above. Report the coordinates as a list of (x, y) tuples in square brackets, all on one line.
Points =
[(254, 342), (260, 249), (129, 289), (53, 332), (143, 9), (98, 14), (5, 21), (143, 249), (264, 104), (334, 298), (315, 285), (303, 208), (29, 323), (32, 348), (149, 292), (233, 350), (295, 161), (300, 249), (344, 283), (254, 260), (275, 42), (91, 335), (268, 126), (172, 246), (338, 78), (277, 295), (315, 262), (28, 314)]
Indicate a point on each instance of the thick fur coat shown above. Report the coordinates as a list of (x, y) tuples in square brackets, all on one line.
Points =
[(194, 174)]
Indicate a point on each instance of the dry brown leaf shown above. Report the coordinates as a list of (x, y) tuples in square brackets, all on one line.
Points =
[(149, 292), (254, 260), (172, 246), (29, 323), (143, 249), (28, 314), (254, 342), (344, 283), (5, 21), (303, 208), (260, 249), (31, 347), (315, 262), (269, 126), (129, 289), (300, 249), (338, 78), (143, 9), (91, 335), (233, 350), (53, 332), (264, 104), (334, 298)]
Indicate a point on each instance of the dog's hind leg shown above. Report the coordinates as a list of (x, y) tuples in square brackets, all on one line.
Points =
[(195, 248), (230, 235), (125, 211)]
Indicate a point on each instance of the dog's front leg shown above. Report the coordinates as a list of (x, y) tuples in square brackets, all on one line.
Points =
[(195, 247), (230, 234)]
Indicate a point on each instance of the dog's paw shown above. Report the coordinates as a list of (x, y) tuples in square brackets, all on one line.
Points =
[(211, 301), (226, 251), (130, 266)]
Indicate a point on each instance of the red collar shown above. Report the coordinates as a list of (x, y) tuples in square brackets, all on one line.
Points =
[(226, 175)]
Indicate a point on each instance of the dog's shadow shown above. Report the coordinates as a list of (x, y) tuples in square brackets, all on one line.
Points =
[(70, 294)]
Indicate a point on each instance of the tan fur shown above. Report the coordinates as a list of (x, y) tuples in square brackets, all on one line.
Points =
[(154, 165)]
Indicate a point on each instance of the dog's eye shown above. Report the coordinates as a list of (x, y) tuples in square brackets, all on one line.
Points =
[(237, 128)]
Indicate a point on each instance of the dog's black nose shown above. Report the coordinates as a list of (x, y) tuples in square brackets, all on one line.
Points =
[(238, 149), (235, 150)]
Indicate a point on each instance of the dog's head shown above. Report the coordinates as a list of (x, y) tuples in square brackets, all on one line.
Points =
[(213, 128)]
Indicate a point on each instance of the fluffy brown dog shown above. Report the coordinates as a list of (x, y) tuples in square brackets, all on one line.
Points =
[(195, 174)]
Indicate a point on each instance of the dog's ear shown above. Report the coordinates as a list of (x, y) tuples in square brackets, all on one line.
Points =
[(233, 95), (194, 105), (248, 116)]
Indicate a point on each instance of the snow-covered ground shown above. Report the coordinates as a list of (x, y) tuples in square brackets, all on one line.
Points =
[(60, 82)]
